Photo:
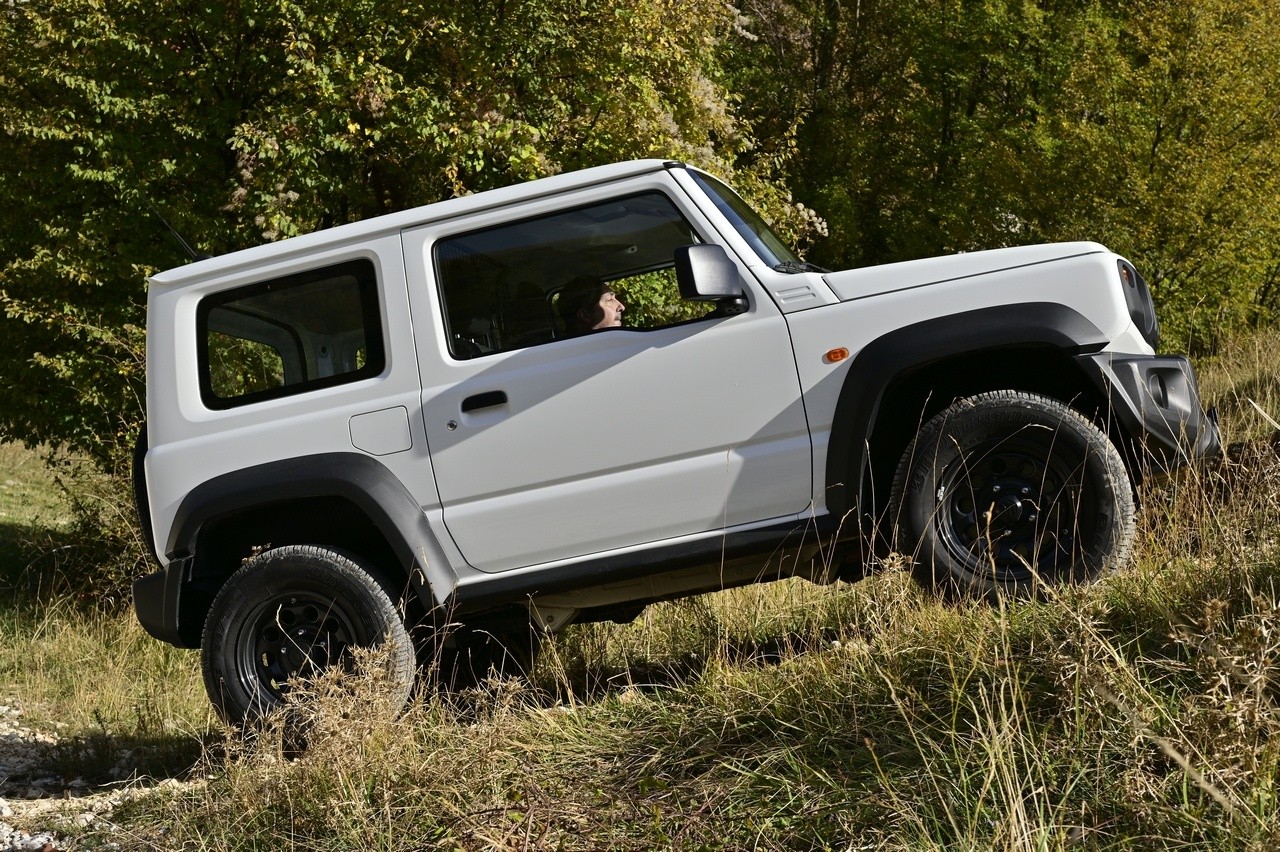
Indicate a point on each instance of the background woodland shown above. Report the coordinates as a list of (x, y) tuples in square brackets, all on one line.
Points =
[(868, 131)]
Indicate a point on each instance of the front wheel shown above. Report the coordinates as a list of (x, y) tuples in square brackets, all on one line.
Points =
[(1005, 491), (291, 612)]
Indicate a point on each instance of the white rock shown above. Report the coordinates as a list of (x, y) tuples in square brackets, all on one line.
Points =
[(34, 842)]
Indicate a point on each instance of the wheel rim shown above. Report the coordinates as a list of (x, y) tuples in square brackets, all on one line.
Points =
[(1014, 507), (293, 635)]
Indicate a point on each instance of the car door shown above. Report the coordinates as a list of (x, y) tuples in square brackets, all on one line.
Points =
[(551, 445)]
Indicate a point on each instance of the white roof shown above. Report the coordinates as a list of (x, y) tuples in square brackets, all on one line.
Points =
[(356, 232)]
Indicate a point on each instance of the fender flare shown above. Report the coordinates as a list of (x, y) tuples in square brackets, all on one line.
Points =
[(365, 482), (882, 361)]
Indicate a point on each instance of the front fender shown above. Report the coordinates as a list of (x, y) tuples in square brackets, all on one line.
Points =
[(908, 348)]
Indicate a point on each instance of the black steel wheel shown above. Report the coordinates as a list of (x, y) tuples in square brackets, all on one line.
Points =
[(455, 656), (472, 655), (1006, 491), (292, 612)]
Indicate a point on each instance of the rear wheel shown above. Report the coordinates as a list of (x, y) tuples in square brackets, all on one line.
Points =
[(1006, 491), (292, 612)]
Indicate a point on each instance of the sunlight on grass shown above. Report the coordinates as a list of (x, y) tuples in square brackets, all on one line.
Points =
[(1139, 712), (28, 492), (86, 667)]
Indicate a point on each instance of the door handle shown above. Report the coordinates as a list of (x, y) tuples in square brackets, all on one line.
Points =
[(488, 399)]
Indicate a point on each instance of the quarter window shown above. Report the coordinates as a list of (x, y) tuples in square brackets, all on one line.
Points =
[(290, 335)]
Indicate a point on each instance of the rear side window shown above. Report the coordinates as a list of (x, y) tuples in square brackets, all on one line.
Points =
[(290, 335)]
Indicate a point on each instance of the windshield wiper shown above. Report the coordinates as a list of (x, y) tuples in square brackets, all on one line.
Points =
[(793, 266)]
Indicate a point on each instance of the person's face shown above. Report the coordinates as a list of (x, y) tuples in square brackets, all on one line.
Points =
[(608, 311)]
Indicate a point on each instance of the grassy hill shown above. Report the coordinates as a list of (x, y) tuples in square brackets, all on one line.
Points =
[(1142, 712)]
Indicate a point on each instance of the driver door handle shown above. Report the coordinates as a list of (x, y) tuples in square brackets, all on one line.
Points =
[(488, 399)]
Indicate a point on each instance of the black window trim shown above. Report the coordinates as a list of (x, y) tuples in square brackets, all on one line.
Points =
[(362, 269), (697, 232)]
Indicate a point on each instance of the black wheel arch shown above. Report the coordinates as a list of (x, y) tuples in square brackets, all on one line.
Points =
[(345, 501), (904, 377), (138, 481)]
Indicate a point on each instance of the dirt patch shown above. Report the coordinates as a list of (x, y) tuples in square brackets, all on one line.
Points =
[(39, 803)]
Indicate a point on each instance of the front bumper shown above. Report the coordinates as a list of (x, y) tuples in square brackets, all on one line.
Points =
[(1155, 402)]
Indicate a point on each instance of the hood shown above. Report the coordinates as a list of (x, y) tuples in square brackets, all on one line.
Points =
[(874, 280)]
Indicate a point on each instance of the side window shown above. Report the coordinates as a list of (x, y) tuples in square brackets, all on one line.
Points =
[(290, 335), (564, 274)]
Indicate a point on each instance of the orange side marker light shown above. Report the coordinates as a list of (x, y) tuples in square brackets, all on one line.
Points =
[(835, 356)]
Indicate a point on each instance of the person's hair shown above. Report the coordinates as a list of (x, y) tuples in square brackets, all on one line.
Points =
[(583, 292)]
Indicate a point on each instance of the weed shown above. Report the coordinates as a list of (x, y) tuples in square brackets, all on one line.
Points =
[(1139, 712)]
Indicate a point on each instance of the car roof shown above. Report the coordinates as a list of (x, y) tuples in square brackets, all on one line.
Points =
[(356, 232)]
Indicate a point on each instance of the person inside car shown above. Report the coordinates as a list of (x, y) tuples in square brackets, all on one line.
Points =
[(586, 304)]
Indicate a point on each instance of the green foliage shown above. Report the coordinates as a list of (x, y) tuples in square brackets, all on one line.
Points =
[(908, 129), (930, 127), (238, 366), (259, 120), (653, 300), (1163, 143)]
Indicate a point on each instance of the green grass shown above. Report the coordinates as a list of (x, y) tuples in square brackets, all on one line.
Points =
[(1075, 723), (1142, 712), (84, 669), (30, 502), (123, 703), (28, 492)]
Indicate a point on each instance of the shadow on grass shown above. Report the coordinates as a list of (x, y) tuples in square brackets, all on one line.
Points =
[(588, 681), (104, 757), (40, 564), (32, 563), (96, 762), (101, 760), (38, 570), (16, 554)]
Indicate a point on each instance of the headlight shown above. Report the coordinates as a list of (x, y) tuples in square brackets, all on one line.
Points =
[(1137, 296)]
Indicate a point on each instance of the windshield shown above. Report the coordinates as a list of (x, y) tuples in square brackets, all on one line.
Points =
[(747, 222)]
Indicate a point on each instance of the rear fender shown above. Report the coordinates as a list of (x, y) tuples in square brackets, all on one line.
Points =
[(221, 521)]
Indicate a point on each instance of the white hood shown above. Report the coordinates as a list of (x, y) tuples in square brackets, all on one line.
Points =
[(873, 280)]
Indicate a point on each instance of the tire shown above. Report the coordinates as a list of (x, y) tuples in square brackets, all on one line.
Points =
[(293, 611), (1003, 492), (462, 657)]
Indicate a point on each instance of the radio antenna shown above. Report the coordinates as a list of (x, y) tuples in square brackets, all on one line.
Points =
[(185, 245)]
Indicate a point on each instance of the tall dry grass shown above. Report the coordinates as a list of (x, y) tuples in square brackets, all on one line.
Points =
[(1141, 712)]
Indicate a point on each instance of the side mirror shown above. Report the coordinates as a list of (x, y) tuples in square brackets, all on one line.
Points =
[(705, 273)]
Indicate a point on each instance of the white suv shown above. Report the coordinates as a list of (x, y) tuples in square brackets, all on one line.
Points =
[(365, 434)]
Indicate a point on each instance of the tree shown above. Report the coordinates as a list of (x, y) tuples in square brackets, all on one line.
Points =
[(255, 120), (1166, 144), (948, 125)]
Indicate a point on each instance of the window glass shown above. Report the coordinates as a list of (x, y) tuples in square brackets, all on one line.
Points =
[(565, 274), (746, 221), (239, 366), (290, 335)]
